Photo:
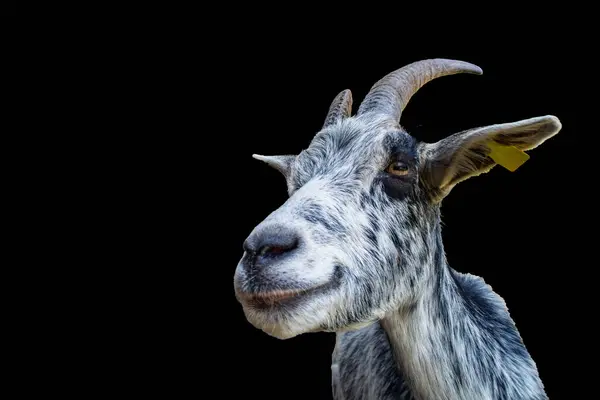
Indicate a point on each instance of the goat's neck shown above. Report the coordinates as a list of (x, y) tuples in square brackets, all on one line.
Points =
[(457, 341)]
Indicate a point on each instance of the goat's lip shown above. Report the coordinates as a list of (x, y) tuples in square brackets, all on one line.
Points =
[(274, 297), (287, 297)]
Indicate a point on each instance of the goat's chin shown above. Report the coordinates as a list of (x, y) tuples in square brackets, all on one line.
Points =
[(279, 330), (280, 333), (284, 325)]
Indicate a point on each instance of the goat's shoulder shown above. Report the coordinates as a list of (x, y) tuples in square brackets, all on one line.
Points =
[(363, 367)]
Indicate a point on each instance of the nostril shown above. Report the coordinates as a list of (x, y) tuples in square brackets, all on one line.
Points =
[(275, 250), (269, 242)]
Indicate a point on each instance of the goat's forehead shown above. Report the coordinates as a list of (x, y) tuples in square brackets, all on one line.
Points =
[(357, 140)]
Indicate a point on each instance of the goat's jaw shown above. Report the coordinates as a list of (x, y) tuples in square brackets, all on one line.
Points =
[(288, 313)]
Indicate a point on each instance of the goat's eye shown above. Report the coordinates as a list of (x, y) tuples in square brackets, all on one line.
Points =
[(397, 168)]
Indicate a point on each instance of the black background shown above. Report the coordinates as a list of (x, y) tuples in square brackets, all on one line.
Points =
[(216, 97)]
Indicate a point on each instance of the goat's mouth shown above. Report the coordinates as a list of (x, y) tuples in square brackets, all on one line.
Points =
[(264, 300), (277, 298)]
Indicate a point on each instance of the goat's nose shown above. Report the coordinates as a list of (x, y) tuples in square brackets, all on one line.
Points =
[(271, 242)]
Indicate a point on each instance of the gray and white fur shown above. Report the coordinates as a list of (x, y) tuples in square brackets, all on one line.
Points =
[(357, 250)]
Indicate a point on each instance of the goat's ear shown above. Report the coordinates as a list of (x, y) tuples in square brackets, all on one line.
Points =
[(280, 163), (473, 152)]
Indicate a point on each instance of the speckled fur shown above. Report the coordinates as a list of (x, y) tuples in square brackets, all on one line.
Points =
[(408, 326)]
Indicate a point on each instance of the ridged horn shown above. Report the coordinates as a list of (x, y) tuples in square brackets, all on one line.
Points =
[(391, 94), (340, 108)]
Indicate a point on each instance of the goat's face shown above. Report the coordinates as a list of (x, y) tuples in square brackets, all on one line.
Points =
[(356, 237), (349, 243)]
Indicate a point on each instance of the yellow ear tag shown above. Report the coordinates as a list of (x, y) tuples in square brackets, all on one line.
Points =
[(509, 157)]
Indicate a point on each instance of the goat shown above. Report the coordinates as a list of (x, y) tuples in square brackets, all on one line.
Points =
[(357, 249)]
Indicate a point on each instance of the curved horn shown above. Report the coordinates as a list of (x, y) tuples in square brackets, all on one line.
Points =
[(391, 93), (341, 107)]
